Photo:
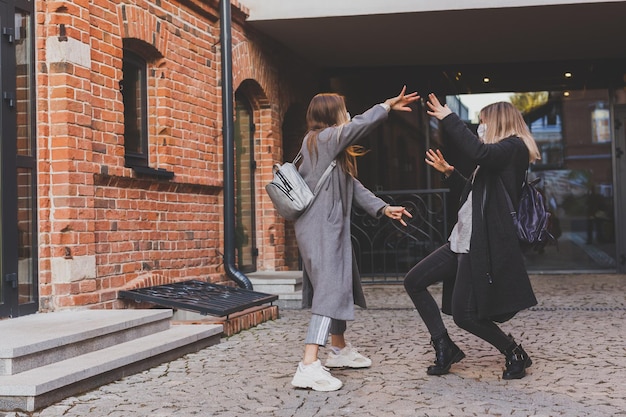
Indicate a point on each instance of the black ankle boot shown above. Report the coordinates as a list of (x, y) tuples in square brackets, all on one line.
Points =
[(447, 353), (517, 360)]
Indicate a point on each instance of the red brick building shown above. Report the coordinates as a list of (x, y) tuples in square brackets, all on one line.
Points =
[(112, 149), (119, 110)]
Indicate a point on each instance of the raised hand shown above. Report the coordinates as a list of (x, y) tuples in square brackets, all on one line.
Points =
[(436, 109), (401, 102), (436, 160)]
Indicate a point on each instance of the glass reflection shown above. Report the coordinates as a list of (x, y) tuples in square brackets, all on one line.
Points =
[(574, 137), (25, 269), (24, 88)]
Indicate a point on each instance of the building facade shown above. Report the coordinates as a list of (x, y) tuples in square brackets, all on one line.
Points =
[(112, 170), (112, 133), (569, 52)]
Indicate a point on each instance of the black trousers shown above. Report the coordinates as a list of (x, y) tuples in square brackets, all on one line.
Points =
[(439, 265)]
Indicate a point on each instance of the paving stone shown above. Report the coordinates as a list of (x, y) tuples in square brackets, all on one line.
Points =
[(574, 335)]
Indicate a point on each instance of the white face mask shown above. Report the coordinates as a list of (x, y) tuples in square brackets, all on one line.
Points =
[(482, 128)]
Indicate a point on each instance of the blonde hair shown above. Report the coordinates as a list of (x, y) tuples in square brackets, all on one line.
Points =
[(504, 120), (326, 110)]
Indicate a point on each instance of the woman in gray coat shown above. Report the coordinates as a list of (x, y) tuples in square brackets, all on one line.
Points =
[(482, 266), (331, 280)]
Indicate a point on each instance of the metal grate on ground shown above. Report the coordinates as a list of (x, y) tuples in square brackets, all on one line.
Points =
[(200, 296)]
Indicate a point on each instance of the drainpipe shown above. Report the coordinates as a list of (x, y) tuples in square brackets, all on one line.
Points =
[(228, 129)]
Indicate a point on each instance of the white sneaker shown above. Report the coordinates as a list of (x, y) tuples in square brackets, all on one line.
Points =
[(348, 357), (315, 376)]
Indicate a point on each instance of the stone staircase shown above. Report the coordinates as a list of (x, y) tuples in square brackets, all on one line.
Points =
[(50, 356), (286, 284)]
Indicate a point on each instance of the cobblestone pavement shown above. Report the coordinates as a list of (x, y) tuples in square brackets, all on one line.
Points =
[(575, 337)]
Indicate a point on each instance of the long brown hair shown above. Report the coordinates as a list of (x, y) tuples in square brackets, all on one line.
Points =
[(326, 110), (504, 120)]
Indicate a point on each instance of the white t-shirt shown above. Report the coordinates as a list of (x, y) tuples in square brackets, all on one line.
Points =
[(462, 231)]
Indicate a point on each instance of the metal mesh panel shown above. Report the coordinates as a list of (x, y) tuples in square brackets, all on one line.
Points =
[(200, 296)]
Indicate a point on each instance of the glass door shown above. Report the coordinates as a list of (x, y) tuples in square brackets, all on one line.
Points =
[(4, 308), (573, 130), (19, 289), (619, 127)]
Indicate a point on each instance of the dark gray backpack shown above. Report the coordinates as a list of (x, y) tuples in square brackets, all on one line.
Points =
[(531, 217)]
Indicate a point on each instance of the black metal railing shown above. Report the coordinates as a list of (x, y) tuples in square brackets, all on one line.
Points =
[(384, 249)]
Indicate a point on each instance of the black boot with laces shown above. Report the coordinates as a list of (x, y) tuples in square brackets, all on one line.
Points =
[(447, 353)]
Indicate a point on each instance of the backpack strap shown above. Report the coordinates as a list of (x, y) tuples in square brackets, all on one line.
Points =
[(509, 202), (323, 177), (483, 204), (326, 173), (328, 170)]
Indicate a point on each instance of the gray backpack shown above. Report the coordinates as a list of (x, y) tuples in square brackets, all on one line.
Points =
[(289, 193)]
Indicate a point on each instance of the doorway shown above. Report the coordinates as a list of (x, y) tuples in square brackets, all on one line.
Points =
[(572, 131), (245, 166), (18, 231)]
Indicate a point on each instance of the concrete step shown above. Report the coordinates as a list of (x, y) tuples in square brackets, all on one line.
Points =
[(286, 284), (290, 301), (37, 340), (42, 386), (276, 282)]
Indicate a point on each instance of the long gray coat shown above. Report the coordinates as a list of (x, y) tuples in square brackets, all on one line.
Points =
[(332, 284)]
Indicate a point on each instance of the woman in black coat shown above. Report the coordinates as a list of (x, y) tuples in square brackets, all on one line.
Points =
[(482, 265)]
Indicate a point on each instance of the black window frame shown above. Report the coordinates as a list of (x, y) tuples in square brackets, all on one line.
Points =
[(134, 62)]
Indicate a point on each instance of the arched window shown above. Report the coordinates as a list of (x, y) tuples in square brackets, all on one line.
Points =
[(245, 165)]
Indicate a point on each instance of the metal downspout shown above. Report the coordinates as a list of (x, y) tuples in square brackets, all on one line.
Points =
[(228, 129)]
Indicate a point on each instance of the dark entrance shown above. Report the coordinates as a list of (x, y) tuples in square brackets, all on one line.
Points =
[(18, 233), (245, 166), (577, 127)]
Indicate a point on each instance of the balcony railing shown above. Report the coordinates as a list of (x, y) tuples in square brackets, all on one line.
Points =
[(384, 249)]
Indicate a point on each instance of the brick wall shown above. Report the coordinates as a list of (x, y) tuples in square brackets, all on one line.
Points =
[(102, 226)]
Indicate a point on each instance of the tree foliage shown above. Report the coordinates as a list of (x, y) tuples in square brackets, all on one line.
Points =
[(526, 102)]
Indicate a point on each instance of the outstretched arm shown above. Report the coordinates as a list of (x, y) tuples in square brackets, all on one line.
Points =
[(362, 124), (376, 207)]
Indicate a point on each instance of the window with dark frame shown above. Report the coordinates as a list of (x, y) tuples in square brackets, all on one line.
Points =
[(134, 89)]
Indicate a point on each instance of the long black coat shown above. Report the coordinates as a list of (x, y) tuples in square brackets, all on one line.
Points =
[(499, 277)]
